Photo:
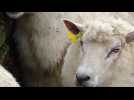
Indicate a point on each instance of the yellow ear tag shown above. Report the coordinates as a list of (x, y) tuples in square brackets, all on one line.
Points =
[(73, 37)]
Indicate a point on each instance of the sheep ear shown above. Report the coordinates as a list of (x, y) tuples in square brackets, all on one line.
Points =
[(130, 37), (73, 27)]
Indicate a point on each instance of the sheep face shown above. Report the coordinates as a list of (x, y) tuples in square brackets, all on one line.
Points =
[(100, 52), (97, 59)]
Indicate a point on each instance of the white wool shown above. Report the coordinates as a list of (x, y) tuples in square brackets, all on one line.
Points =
[(108, 27), (6, 79)]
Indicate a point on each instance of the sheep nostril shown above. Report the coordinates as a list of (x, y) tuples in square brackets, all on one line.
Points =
[(82, 78)]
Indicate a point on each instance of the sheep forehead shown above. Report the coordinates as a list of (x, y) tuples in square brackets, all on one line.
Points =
[(108, 42), (97, 31)]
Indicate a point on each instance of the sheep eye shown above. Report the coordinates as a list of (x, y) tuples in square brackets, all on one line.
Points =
[(113, 51)]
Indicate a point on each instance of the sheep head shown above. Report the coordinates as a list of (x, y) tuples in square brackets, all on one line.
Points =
[(100, 52)]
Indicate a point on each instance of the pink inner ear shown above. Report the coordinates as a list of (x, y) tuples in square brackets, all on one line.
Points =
[(71, 27)]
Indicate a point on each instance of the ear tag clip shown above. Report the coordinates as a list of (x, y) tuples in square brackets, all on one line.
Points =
[(73, 37)]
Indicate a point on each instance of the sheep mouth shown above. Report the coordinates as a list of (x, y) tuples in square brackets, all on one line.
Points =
[(86, 84)]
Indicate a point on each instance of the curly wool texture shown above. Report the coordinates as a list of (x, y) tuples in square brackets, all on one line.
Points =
[(6, 79), (100, 30)]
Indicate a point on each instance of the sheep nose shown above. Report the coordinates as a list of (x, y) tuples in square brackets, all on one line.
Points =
[(82, 78)]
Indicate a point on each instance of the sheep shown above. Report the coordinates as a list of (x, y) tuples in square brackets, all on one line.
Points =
[(7, 79), (49, 59), (42, 45), (104, 54)]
